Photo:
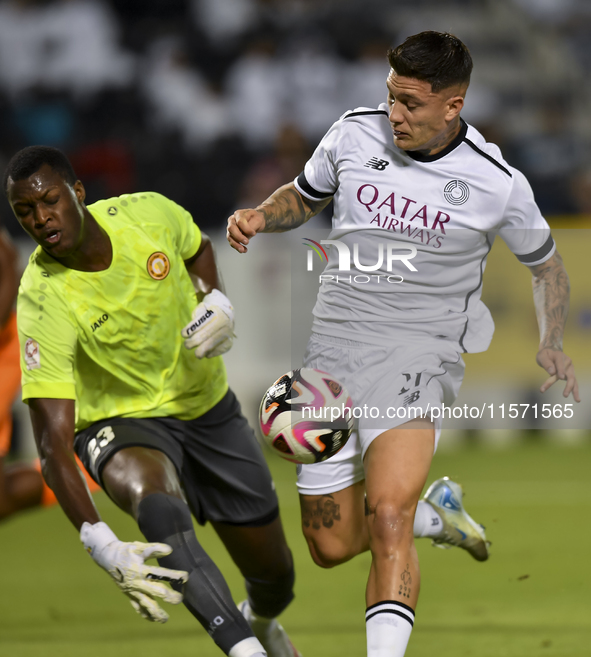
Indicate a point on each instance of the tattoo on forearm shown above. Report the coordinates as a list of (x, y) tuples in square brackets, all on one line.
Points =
[(551, 298), (286, 209), (406, 579), (321, 513)]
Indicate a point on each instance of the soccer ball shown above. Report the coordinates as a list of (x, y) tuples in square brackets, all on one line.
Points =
[(306, 416)]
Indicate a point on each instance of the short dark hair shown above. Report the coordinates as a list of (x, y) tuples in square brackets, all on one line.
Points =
[(439, 58), (30, 159)]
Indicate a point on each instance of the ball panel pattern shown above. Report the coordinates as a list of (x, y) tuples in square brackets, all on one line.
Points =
[(305, 416)]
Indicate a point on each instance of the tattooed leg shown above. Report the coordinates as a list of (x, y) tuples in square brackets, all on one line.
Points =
[(334, 525), (396, 467)]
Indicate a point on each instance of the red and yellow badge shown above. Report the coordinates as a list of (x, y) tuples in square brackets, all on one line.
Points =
[(158, 265)]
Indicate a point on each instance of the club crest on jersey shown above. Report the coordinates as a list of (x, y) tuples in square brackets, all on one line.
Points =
[(32, 356), (456, 192), (158, 265)]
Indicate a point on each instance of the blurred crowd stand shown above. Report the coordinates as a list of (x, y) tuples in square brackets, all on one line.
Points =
[(216, 103), (176, 88)]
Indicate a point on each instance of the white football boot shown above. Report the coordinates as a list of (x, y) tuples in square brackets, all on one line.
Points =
[(445, 496), (270, 633)]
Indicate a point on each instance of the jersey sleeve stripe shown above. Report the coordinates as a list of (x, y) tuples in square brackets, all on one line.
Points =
[(539, 255), (487, 156), (365, 113), (304, 187)]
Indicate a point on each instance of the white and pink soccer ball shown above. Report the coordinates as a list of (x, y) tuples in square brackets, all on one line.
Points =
[(306, 416)]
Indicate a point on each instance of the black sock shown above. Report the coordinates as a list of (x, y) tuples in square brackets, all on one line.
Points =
[(167, 519), (268, 598)]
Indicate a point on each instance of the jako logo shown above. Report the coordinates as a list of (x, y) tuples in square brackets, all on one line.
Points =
[(345, 255), (100, 321)]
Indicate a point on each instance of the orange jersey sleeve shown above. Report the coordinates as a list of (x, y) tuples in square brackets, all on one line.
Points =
[(10, 379)]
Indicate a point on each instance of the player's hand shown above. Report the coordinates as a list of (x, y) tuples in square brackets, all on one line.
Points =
[(560, 367), (211, 331), (125, 563), (242, 226)]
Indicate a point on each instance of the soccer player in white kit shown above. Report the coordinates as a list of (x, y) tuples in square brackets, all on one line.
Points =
[(419, 196)]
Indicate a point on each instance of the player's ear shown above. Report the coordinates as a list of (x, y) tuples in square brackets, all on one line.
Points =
[(79, 191), (454, 107)]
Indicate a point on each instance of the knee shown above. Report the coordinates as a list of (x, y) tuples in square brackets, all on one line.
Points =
[(147, 495), (270, 596), (160, 516), (135, 473), (390, 523)]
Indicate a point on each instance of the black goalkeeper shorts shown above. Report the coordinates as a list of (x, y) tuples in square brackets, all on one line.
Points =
[(218, 459)]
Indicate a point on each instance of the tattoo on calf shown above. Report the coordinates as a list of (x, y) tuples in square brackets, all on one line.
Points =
[(322, 513), (404, 589)]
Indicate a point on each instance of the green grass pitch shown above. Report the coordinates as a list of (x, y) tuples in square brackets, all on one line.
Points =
[(532, 598)]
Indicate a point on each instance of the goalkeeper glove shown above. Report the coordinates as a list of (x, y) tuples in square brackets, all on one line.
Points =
[(211, 330), (125, 563)]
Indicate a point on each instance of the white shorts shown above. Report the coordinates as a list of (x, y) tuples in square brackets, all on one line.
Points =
[(389, 386)]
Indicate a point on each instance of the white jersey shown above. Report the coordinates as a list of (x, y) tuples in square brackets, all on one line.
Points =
[(413, 232)]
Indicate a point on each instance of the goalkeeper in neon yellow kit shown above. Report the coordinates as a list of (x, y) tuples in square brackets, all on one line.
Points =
[(121, 366)]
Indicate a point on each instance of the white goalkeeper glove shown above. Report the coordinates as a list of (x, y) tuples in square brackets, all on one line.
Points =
[(211, 331), (125, 563)]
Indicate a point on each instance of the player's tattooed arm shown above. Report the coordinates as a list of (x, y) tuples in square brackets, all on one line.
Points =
[(551, 299), (286, 209), (551, 290)]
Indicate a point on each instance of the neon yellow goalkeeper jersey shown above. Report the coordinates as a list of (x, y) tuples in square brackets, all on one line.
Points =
[(111, 339)]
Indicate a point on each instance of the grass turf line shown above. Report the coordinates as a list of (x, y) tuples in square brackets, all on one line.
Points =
[(530, 600)]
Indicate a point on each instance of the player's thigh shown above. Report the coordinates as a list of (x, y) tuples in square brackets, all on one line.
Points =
[(334, 524), (131, 458), (332, 505), (133, 473), (258, 551)]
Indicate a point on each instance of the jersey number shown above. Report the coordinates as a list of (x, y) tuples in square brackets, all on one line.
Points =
[(408, 378), (103, 438)]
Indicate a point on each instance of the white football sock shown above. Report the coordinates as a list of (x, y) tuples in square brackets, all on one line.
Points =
[(251, 617), (427, 521), (250, 647), (388, 626)]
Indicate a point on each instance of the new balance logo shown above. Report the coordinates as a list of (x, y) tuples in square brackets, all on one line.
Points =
[(377, 164)]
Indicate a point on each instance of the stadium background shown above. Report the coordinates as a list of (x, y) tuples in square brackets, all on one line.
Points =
[(215, 103)]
